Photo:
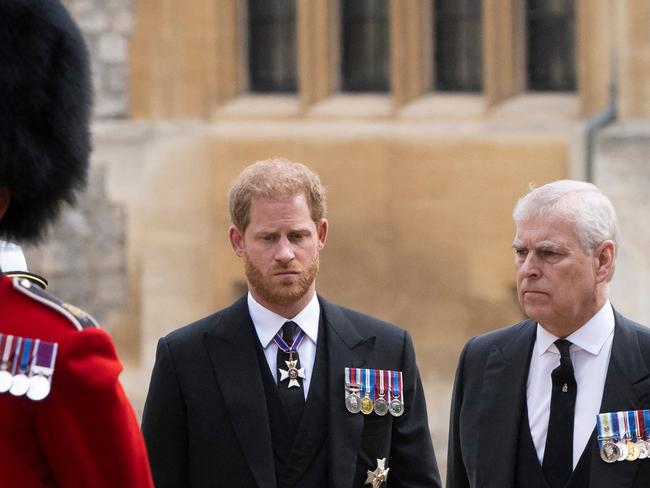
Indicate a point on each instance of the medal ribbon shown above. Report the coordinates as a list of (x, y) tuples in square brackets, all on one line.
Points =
[(631, 420), (24, 360), (369, 382), (3, 343), (294, 346), (622, 423), (646, 423), (640, 425), (379, 384), (615, 428), (604, 423), (44, 357), (348, 380), (397, 384), (16, 354), (6, 354)]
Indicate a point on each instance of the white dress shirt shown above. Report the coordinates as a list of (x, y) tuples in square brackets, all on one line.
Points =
[(268, 323), (590, 352)]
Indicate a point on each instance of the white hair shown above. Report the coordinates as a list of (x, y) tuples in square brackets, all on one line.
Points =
[(582, 203)]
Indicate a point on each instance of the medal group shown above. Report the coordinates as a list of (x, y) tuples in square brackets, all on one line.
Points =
[(374, 390), (26, 366), (624, 436)]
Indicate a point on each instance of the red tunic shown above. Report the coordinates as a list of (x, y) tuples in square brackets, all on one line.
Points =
[(84, 433)]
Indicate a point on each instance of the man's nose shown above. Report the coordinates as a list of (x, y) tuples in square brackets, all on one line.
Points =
[(529, 268), (284, 252)]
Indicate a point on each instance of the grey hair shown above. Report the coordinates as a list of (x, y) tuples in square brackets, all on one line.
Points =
[(582, 203)]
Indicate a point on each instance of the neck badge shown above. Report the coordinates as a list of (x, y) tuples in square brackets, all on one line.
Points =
[(379, 476), (292, 373)]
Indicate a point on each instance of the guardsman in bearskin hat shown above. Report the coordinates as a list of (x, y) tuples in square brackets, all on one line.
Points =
[(64, 418)]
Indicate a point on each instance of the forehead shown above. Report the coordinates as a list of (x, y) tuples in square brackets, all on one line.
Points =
[(555, 229), (290, 210)]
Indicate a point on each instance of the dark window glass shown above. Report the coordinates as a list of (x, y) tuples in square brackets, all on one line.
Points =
[(364, 42), (457, 40), (551, 45), (272, 45)]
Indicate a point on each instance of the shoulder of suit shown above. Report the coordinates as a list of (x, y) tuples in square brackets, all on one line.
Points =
[(365, 323), (77, 317), (502, 336)]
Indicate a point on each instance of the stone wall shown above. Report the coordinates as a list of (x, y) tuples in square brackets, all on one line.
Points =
[(107, 26)]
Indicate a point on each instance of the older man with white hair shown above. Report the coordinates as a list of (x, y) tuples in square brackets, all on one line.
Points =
[(560, 399)]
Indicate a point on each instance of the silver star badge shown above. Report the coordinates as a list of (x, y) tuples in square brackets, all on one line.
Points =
[(379, 476), (292, 373)]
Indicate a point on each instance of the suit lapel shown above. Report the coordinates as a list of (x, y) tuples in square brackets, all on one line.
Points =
[(502, 396), (346, 348), (232, 351), (625, 375)]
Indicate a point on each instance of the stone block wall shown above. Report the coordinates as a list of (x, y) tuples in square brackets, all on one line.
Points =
[(107, 26)]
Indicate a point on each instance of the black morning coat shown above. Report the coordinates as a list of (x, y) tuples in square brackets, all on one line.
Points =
[(488, 400), (206, 422)]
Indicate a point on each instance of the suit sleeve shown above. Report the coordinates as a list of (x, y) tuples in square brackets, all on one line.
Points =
[(412, 459), (456, 472), (164, 423), (87, 427)]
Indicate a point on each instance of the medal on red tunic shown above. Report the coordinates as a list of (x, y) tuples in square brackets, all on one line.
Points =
[(20, 383), (6, 378), (292, 373), (42, 369)]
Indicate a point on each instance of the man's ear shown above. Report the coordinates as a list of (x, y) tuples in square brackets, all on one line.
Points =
[(236, 238), (322, 227), (605, 255), (5, 198)]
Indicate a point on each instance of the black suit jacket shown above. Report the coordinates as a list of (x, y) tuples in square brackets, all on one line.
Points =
[(206, 422), (488, 398)]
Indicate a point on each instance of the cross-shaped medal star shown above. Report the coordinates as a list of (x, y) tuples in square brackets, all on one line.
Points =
[(292, 373), (379, 476)]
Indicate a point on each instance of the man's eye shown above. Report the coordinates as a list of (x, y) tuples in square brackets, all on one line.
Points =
[(521, 253)]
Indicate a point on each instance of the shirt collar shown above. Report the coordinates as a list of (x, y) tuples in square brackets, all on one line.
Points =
[(268, 323), (591, 337)]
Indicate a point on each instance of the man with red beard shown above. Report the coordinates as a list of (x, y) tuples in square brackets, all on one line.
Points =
[(283, 388)]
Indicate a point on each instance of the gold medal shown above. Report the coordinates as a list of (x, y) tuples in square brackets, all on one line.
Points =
[(366, 405), (633, 451)]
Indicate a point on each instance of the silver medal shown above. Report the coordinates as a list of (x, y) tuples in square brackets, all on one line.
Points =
[(623, 451), (39, 387), (644, 449), (6, 380), (381, 407), (20, 385), (609, 452), (353, 403), (396, 408)]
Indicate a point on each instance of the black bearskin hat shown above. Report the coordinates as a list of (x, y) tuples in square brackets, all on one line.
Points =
[(45, 109)]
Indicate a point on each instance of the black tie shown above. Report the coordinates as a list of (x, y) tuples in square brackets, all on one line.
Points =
[(558, 454), (293, 398)]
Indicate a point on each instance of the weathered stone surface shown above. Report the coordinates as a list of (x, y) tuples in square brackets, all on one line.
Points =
[(107, 26), (84, 258)]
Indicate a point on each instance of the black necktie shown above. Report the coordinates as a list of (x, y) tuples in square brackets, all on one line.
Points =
[(558, 454), (293, 398)]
